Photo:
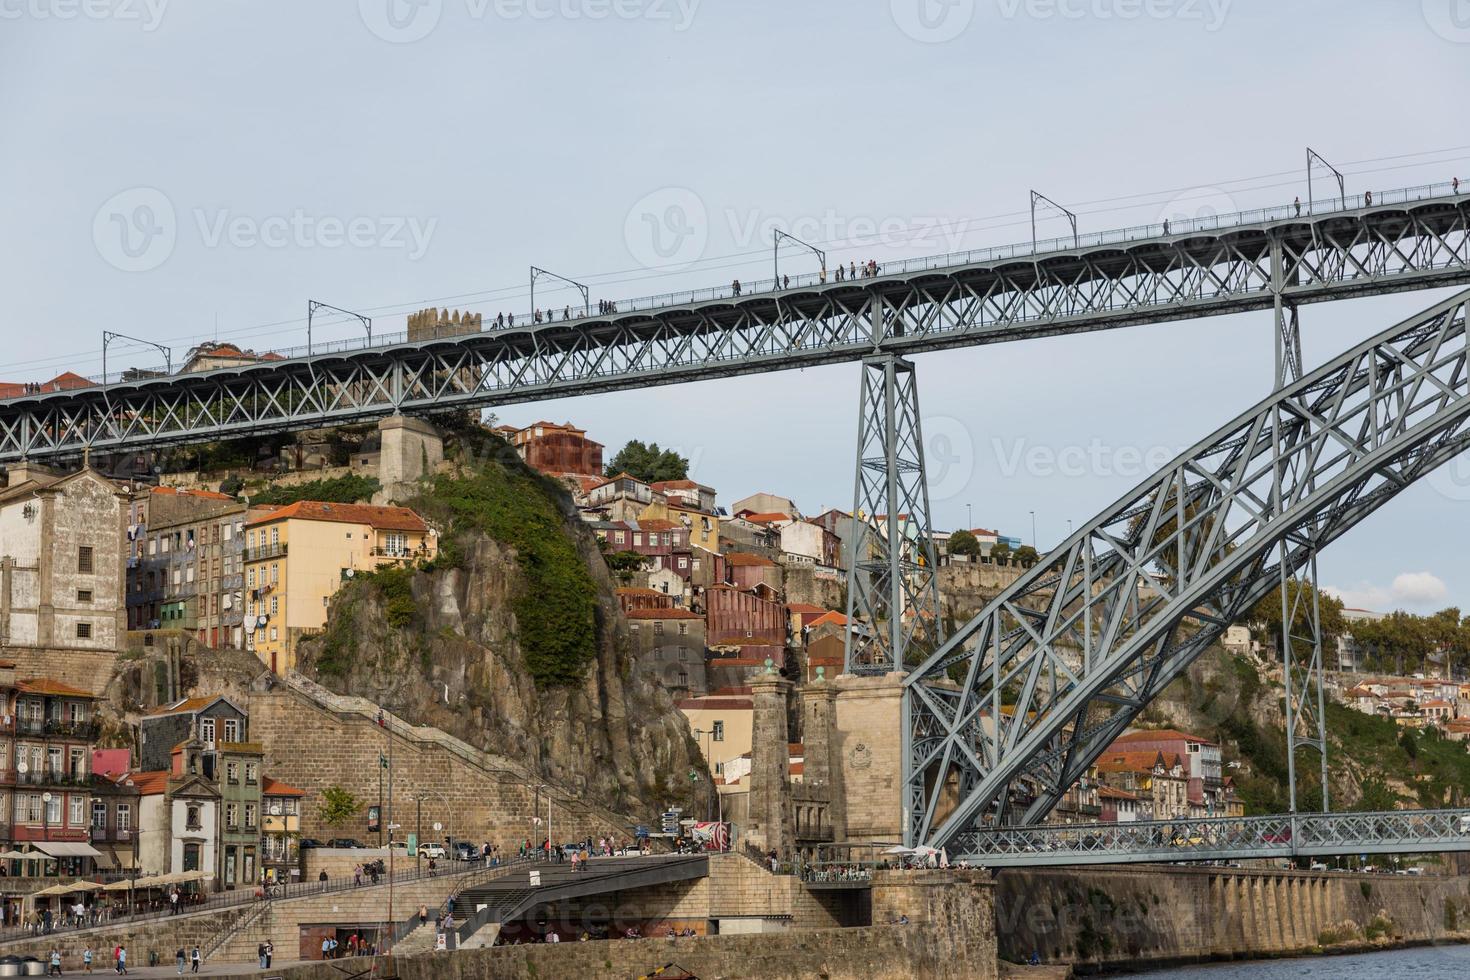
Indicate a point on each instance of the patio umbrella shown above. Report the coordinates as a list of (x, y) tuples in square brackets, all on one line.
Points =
[(20, 855), (898, 849), (944, 857)]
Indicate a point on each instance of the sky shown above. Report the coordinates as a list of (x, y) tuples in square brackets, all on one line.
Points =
[(177, 172)]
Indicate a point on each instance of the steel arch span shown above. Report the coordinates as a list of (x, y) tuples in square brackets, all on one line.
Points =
[(1011, 711)]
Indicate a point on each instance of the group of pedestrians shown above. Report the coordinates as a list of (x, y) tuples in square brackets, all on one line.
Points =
[(265, 952), (193, 957)]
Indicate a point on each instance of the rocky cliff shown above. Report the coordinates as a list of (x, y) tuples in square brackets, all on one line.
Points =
[(511, 641)]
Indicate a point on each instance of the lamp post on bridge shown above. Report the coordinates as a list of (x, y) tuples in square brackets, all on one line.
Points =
[(108, 336), (776, 236), (313, 305), (538, 273)]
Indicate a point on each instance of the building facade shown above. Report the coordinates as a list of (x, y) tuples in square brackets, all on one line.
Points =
[(297, 557)]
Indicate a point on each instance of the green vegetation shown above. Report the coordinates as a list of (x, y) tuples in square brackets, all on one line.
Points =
[(1027, 555), (556, 613), (649, 463), (1000, 552), (349, 489), (1402, 642), (395, 584), (962, 542), (338, 806), (1268, 614)]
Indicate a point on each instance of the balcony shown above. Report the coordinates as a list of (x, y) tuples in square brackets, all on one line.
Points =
[(82, 731), (112, 835), (265, 551), (44, 777)]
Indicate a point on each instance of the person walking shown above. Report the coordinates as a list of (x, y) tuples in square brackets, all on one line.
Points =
[(1298, 205), (121, 960), (270, 952), (55, 960), (87, 959), (356, 875), (179, 958), (260, 954), (195, 958)]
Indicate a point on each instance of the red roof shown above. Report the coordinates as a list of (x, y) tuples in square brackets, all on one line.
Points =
[(770, 518), (671, 613), (45, 685), (635, 590), (834, 618), (382, 518), (1160, 735), (658, 524), (675, 485), (147, 783), (274, 787)]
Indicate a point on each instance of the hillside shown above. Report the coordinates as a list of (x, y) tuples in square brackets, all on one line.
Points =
[(510, 640)]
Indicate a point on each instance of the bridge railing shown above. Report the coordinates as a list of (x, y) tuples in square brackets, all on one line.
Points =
[(1176, 229), (1284, 834)]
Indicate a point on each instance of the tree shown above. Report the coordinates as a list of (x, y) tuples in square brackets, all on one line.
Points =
[(1000, 552), (1027, 555), (338, 806), (649, 463), (962, 542), (1268, 612)]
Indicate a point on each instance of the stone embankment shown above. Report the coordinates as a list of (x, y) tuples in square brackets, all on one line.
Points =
[(1154, 914)]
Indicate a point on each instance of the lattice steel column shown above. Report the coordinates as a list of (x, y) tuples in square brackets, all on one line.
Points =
[(892, 585), (1301, 653)]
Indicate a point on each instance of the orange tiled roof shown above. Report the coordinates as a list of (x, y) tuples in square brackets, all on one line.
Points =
[(770, 518), (658, 524), (382, 518), (1134, 761), (187, 705), (45, 685), (147, 783), (635, 590), (834, 618), (675, 485), (274, 787)]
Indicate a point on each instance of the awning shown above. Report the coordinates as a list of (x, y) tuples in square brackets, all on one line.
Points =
[(67, 849)]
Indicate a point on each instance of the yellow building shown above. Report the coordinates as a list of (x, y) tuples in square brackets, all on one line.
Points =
[(724, 725), (704, 528), (298, 556)]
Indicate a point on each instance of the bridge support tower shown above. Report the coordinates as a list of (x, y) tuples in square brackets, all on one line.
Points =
[(892, 579), (1301, 614)]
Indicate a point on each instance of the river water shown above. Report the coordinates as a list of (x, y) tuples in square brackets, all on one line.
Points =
[(1426, 963)]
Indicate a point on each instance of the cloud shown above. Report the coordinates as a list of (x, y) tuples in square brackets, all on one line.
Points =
[(1409, 589)]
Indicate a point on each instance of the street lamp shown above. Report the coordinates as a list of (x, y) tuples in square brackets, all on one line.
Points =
[(1033, 529)]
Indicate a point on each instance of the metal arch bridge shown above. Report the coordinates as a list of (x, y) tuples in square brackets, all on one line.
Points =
[(1020, 701), (1409, 239), (1224, 839)]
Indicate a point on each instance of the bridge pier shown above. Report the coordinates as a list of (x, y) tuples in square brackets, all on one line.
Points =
[(410, 449)]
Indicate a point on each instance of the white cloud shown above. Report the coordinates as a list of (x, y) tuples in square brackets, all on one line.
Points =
[(1408, 590)]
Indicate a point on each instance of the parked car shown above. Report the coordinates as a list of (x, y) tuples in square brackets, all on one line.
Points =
[(309, 842), (347, 842), (432, 850), (465, 851)]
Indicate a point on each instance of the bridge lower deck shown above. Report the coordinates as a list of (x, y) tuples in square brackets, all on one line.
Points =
[(1220, 839)]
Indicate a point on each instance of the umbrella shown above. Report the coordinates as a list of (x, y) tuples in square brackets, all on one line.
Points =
[(898, 849), (944, 857), (20, 856)]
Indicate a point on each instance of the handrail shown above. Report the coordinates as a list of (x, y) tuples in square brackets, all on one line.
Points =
[(1019, 250)]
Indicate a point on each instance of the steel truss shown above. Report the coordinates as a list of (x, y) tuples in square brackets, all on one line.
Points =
[(928, 305), (892, 579), (1223, 839), (1302, 675), (1016, 705)]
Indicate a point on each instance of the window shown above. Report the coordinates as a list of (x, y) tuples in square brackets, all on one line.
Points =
[(124, 817), (32, 803), (252, 773), (84, 631), (683, 629), (274, 635), (53, 810), (84, 559), (191, 854), (78, 810), (206, 731), (249, 815), (275, 605), (250, 578), (84, 595), (275, 535), (658, 628), (232, 730), (275, 572), (232, 772), (232, 814), (99, 814), (717, 732)]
